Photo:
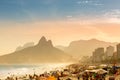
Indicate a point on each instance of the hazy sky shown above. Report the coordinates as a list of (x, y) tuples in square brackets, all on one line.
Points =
[(62, 21)]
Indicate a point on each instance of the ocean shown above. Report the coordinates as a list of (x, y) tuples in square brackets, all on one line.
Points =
[(19, 70)]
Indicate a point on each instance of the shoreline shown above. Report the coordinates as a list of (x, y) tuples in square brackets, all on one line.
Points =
[(33, 69), (72, 71)]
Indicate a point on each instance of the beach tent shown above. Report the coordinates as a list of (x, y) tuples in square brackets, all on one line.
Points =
[(95, 71), (103, 65), (99, 71), (91, 67)]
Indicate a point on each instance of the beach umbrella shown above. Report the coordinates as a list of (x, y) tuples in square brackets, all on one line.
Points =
[(51, 78)]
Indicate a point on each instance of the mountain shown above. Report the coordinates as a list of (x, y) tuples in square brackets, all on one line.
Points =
[(25, 46), (86, 47), (60, 47), (43, 52)]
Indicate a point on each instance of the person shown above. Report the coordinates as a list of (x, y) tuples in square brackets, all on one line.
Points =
[(83, 76), (112, 78), (16, 78), (30, 77), (86, 76), (78, 77), (68, 79), (94, 76), (90, 76), (58, 78), (114, 69)]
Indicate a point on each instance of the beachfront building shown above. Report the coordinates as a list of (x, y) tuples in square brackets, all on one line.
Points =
[(109, 52), (98, 55), (118, 51)]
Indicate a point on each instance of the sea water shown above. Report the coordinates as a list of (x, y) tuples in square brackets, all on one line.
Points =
[(19, 70)]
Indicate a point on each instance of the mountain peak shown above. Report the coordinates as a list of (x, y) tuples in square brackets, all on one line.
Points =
[(43, 39), (50, 43), (43, 42), (93, 39)]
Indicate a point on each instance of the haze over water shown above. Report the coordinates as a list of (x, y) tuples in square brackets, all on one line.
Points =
[(21, 70)]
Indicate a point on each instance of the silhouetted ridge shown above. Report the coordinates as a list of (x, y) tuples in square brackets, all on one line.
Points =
[(43, 52), (93, 39), (86, 47)]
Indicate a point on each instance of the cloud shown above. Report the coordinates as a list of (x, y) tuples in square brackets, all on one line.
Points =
[(91, 2), (113, 13), (98, 4), (69, 16), (83, 2), (112, 16)]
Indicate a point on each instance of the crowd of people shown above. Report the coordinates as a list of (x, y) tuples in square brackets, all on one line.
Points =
[(73, 72)]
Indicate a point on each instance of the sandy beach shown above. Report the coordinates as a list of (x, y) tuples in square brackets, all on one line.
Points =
[(73, 72)]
